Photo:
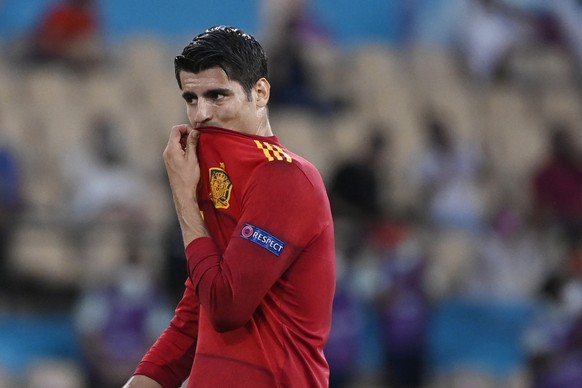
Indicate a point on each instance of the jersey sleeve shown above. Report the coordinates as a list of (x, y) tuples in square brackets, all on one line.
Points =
[(281, 214), (170, 359)]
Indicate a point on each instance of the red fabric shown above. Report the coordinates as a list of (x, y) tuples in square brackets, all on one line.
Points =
[(264, 318), (64, 24)]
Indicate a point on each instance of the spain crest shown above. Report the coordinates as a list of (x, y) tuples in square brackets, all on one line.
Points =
[(220, 187)]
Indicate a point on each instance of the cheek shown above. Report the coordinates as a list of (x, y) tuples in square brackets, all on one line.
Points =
[(228, 112)]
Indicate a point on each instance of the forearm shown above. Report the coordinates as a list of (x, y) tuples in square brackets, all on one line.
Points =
[(191, 222)]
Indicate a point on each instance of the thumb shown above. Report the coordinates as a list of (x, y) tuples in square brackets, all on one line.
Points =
[(192, 141)]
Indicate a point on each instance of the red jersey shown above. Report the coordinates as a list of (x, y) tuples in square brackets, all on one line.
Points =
[(257, 307)]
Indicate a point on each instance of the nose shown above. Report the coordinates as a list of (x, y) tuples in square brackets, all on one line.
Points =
[(203, 113)]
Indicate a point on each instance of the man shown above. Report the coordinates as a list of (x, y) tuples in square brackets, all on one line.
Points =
[(258, 232)]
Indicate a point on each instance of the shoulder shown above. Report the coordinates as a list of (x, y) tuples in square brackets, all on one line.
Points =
[(280, 162)]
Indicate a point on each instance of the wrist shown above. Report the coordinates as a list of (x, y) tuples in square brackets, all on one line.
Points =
[(192, 225)]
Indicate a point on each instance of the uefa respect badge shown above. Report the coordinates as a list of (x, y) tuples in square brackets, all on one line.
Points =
[(262, 238)]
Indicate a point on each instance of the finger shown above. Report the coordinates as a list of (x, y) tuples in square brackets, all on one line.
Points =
[(174, 145), (175, 134), (184, 140), (193, 137), (178, 135), (192, 142)]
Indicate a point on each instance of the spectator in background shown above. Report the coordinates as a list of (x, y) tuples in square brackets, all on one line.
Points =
[(492, 30), (403, 308), (119, 317), (11, 205), (553, 340), (102, 185), (290, 31), (510, 265), (356, 190), (557, 184), (449, 174), (69, 33), (343, 346), (568, 14)]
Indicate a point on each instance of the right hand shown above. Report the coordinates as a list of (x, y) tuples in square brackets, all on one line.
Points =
[(184, 174), (182, 162)]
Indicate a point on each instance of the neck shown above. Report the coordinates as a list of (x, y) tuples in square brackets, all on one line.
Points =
[(265, 131), (264, 127)]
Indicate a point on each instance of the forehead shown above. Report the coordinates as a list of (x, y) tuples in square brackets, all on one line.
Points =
[(214, 77)]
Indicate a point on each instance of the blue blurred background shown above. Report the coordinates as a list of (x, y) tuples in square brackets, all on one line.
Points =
[(449, 135), (377, 20)]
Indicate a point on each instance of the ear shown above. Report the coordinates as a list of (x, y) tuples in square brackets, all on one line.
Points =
[(262, 90)]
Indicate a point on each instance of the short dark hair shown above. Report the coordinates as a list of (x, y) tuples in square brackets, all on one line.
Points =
[(239, 54)]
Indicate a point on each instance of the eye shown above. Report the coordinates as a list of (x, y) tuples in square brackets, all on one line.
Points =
[(189, 98), (217, 96)]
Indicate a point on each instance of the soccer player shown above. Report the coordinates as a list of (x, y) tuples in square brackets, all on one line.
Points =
[(258, 232)]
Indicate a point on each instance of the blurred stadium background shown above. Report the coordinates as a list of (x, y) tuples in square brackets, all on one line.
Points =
[(458, 230)]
